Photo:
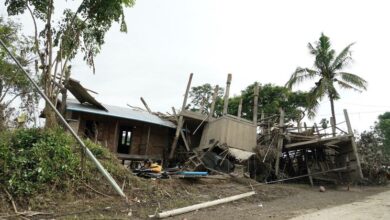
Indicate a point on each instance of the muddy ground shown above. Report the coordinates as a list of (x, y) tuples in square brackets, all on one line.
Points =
[(276, 201)]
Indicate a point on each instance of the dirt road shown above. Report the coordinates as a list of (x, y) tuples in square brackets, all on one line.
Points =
[(302, 200), (373, 207)]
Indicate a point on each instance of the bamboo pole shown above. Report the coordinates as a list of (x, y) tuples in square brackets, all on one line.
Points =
[(62, 119), (201, 205)]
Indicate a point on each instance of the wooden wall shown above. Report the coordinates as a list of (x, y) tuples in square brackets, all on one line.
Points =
[(237, 133), (108, 128)]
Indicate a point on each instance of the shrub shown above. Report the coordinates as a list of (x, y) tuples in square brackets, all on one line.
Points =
[(33, 158)]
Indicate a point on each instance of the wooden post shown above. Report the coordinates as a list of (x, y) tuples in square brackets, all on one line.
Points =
[(308, 169), (333, 124), (239, 108), (354, 147), (147, 142), (280, 141), (299, 126), (262, 121), (255, 103), (181, 131), (146, 105), (226, 99), (180, 120), (215, 95), (316, 129)]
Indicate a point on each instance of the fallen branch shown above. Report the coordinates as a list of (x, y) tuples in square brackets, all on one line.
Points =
[(12, 201), (100, 193), (200, 206)]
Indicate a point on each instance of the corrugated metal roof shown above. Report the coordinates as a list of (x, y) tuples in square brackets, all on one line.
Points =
[(81, 94), (119, 112)]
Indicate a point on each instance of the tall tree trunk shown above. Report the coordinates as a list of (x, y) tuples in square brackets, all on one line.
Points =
[(51, 119), (332, 123)]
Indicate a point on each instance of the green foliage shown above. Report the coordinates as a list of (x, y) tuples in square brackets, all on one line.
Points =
[(374, 158), (383, 127), (83, 29), (271, 98), (57, 42), (328, 71), (35, 160), (13, 84), (201, 98)]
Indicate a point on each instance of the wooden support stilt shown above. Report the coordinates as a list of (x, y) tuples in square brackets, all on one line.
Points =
[(280, 141), (354, 147), (255, 103), (180, 120), (226, 98), (308, 169)]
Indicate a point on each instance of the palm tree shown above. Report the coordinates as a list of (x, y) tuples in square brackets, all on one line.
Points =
[(328, 71)]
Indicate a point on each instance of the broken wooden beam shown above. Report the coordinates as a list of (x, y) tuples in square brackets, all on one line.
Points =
[(146, 105)]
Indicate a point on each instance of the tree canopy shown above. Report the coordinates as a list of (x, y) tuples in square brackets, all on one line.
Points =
[(383, 126), (271, 98), (14, 86), (328, 71), (56, 42)]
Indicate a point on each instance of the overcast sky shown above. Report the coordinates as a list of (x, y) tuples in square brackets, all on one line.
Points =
[(254, 40)]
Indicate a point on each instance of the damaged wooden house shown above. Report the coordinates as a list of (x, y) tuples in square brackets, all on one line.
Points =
[(132, 133), (215, 137)]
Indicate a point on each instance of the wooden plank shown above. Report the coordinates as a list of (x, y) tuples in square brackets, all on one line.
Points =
[(185, 140), (318, 140), (192, 115), (137, 157)]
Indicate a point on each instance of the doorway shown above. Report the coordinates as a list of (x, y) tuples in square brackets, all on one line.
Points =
[(124, 139)]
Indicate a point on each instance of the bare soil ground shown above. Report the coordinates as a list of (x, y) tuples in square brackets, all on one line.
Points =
[(373, 207), (277, 201)]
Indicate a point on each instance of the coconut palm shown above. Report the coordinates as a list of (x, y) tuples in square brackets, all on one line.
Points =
[(328, 71)]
